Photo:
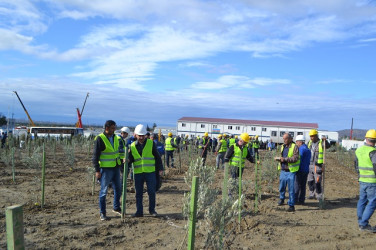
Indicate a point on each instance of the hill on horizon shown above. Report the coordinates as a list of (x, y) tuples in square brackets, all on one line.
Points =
[(357, 134)]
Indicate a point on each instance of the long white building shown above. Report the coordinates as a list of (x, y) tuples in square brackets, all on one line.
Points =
[(266, 130)]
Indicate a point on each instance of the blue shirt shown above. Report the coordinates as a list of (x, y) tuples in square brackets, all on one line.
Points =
[(305, 157)]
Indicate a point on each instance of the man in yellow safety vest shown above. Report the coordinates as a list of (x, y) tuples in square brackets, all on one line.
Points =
[(365, 164), (316, 167), (148, 166), (288, 164), (107, 164)]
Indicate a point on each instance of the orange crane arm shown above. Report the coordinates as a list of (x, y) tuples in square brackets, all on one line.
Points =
[(27, 113)]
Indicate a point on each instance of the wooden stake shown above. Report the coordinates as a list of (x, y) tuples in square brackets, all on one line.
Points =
[(125, 175), (193, 211), (240, 192), (43, 173), (322, 201), (14, 227), (13, 168)]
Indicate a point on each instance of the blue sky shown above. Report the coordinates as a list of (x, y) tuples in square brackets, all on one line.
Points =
[(157, 61)]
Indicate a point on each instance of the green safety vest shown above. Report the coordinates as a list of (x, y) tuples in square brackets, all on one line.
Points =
[(239, 156), (169, 147), (231, 142), (146, 163), (203, 142), (223, 146), (294, 166), (256, 144), (365, 166), (109, 157), (320, 158)]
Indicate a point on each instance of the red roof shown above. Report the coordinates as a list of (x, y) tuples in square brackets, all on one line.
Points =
[(251, 122)]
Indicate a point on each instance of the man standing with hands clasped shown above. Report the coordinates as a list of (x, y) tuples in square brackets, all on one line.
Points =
[(288, 164), (147, 168)]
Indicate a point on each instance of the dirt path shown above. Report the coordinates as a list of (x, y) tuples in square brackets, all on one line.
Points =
[(70, 218)]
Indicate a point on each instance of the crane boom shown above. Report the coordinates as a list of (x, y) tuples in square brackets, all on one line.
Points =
[(82, 110), (27, 113), (79, 114)]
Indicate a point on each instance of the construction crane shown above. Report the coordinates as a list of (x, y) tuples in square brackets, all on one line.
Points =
[(79, 114), (27, 113)]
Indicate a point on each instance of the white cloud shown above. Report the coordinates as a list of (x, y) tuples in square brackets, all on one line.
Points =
[(333, 81), (129, 52), (238, 82), (367, 40)]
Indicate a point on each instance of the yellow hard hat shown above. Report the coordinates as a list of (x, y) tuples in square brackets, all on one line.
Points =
[(219, 136), (186, 136), (224, 135), (169, 134), (313, 132), (371, 134), (245, 137), (256, 137), (206, 134), (236, 137)]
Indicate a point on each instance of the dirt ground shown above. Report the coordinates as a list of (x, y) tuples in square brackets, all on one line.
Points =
[(70, 217)]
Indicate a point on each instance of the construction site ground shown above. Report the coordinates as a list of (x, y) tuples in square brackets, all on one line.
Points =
[(70, 217)]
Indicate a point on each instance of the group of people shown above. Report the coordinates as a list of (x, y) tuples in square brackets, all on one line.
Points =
[(108, 160), (299, 164)]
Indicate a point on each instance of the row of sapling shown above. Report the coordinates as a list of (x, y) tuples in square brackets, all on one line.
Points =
[(216, 214), (29, 152)]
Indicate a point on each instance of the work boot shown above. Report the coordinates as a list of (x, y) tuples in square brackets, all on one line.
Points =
[(117, 211), (104, 217), (367, 228), (291, 209), (137, 215), (154, 214), (281, 202)]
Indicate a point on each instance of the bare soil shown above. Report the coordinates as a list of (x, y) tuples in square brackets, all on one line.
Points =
[(70, 217)]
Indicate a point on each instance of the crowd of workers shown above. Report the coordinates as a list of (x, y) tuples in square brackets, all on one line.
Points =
[(299, 164)]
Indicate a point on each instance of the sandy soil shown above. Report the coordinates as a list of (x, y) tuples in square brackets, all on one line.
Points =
[(70, 217)]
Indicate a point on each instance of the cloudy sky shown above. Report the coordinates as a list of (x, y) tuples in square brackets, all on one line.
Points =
[(158, 60)]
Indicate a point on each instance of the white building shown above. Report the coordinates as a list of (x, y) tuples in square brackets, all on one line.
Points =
[(266, 130), (351, 144)]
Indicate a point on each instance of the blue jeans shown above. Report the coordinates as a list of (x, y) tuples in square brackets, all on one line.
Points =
[(300, 186), (151, 183), (220, 157), (367, 202), (287, 179), (110, 175)]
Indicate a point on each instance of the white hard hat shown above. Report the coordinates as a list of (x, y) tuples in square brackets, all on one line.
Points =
[(140, 130), (125, 129), (300, 138)]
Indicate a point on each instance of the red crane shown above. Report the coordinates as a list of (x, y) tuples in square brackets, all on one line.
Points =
[(79, 114)]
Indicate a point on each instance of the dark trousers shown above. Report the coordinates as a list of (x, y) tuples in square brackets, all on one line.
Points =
[(300, 186), (170, 154), (151, 184)]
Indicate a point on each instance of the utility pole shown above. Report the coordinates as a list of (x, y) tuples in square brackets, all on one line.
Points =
[(351, 131)]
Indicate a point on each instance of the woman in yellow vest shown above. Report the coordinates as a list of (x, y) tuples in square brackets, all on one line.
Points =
[(288, 164), (365, 164), (148, 167), (107, 163)]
